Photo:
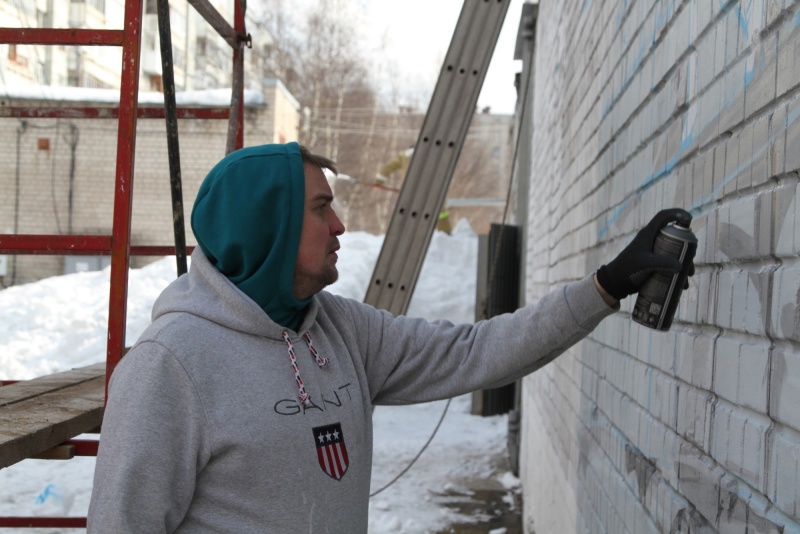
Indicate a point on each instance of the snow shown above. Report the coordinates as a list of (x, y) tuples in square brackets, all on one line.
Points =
[(60, 323)]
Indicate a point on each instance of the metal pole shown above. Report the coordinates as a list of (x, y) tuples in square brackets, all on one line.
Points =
[(173, 149), (236, 117), (123, 190)]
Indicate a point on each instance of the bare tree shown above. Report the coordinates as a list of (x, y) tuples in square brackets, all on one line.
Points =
[(319, 54)]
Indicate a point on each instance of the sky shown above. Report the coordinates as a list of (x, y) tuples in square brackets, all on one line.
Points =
[(60, 323), (418, 33), (410, 40)]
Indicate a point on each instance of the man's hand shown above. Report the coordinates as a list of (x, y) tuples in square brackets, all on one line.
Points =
[(629, 270)]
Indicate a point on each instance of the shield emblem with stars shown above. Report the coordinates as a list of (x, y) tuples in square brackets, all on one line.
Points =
[(331, 450)]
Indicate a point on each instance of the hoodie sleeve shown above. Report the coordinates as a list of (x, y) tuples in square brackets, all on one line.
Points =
[(152, 446), (411, 360)]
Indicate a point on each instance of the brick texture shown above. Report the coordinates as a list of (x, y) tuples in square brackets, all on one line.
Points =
[(47, 179), (638, 106)]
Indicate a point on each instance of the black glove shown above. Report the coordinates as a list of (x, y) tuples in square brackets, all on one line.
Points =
[(629, 270)]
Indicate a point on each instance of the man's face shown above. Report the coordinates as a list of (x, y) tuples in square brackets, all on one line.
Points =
[(316, 255)]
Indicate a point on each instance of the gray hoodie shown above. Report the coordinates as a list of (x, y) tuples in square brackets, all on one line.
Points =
[(204, 430)]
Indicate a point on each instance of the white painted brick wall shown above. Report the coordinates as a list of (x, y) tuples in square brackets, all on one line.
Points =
[(639, 106), (44, 175)]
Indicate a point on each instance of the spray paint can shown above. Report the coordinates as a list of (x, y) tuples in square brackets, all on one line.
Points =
[(659, 295)]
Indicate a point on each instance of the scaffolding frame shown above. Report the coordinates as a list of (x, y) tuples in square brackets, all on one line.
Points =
[(91, 383)]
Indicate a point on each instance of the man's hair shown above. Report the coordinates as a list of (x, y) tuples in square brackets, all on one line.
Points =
[(320, 161)]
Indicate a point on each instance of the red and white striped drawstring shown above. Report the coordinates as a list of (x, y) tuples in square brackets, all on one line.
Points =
[(321, 362)]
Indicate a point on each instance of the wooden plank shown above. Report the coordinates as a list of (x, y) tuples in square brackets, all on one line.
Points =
[(27, 389), (62, 452), (48, 411)]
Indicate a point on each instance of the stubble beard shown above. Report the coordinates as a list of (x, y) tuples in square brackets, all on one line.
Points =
[(309, 284)]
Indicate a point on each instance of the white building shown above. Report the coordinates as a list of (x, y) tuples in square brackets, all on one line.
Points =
[(201, 58)]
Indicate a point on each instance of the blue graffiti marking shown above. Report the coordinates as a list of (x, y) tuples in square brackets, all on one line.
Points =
[(689, 138), (48, 492), (662, 19)]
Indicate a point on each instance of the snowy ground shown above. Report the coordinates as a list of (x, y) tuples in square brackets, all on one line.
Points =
[(60, 323)]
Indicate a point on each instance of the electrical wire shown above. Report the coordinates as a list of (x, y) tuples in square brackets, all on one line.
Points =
[(404, 471)]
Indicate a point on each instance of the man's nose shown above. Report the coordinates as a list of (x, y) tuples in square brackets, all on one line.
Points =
[(337, 228)]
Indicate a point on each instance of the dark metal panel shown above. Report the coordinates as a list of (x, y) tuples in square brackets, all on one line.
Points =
[(503, 268), (173, 147)]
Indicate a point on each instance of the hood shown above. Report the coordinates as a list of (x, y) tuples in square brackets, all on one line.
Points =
[(247, 220)]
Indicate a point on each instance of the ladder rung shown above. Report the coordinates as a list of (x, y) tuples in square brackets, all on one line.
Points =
[(53, 36), (66, 112), (77, 245)]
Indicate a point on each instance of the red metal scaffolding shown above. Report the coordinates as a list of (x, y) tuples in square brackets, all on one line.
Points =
[(118, 244)]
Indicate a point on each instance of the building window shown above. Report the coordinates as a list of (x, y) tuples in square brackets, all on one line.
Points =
[(42, 19), (156, 83), (28, 7), (178, 58), (177, 22), (15, 57)]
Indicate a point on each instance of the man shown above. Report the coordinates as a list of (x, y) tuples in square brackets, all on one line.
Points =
[(246, 405)]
